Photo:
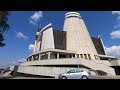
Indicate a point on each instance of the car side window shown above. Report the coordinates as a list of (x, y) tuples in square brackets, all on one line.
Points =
[(71, 71), (81, 71), (77, 71)]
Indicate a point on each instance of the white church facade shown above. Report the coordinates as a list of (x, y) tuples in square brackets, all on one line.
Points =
[(57, 51)]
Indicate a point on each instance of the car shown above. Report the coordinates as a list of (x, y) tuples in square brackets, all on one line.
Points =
[(75, 74)]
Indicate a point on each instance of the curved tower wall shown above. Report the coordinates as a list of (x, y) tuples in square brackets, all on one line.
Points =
[(78, 38), (47, 37)]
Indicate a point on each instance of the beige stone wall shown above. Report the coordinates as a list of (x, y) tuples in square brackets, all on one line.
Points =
[(78, 38), (46, 71), (93, 64), (47, 38), (105, 62), (53, 71)]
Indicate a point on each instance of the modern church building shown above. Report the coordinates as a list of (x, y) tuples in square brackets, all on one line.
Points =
[(57, 51)]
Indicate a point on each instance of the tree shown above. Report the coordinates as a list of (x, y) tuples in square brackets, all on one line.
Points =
[(1, 39), (4, 26)]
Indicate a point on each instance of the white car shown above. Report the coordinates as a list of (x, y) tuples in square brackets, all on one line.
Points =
[(75, 74)]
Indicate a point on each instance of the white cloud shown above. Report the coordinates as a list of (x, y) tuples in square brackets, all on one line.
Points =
[(35, 17), (116, 12), (113, 51), (31, 47), (32, 22), (117, 25), (115, 34), (21, 35), (117, 18)]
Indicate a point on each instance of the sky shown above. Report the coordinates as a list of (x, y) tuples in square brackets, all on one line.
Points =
[(24, 24)]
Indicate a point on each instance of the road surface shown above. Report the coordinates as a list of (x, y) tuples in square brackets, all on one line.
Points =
[(93, 77)]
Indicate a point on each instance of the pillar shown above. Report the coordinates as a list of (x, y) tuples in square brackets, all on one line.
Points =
[(48, 55), (39, 56), (58, 55), (75, 55), (32, 58), (72, 55), (87, 57)]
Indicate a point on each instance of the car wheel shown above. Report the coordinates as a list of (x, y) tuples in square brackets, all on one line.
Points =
[(63, 77), (84, 77)]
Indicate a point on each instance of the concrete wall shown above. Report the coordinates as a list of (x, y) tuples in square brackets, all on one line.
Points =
[(103, 66), (45, 71), (47, 39), (105, 62), (78, 38)]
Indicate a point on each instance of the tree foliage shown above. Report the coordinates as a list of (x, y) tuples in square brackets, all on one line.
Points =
[(1, 40), (4, 26)]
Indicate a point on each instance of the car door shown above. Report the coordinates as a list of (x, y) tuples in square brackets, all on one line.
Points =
[(71, 74), (78, 74)]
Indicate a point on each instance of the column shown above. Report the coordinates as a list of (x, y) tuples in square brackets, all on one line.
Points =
[(57, 55), (80, 56), (83, 56), (49, 55), (32, 58), (75, 55), (72, 55), (87, 57), (39, 56)]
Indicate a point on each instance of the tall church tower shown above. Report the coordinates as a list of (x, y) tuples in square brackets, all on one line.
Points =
[(78, 38)]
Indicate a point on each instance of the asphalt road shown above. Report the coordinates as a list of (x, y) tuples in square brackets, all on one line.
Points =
[(105, 77), (93, 77)]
